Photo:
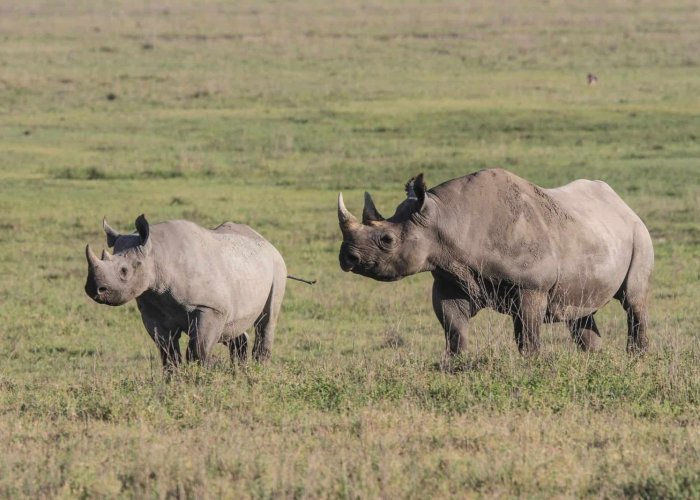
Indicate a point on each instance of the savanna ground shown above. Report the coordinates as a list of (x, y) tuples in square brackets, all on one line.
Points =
[(259, 112)]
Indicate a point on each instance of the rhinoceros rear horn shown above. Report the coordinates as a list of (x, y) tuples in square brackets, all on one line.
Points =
[(112, 235), (143, 228), (91, 257), (345, 218), (106, 255), (370, 212)]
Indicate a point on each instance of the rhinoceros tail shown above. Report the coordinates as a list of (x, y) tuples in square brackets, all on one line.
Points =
[(312, 282)]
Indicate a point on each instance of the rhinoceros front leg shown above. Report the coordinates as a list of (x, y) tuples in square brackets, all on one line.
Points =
[(168, 342), (206, 327), (528, 316), (453, 309)]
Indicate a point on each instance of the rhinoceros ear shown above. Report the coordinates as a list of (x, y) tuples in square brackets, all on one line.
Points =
[(112, 235), (143, 228), (415, 189)]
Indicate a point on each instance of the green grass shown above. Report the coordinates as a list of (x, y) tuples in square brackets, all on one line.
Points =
[(259, 113)]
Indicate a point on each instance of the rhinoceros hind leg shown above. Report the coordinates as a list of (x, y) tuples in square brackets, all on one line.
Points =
[(267, 322), (637, 319), (585, 333), (527, 319), (633, 295)]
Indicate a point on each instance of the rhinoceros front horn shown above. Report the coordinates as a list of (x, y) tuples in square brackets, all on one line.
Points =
[(347, 221), (92, 259)]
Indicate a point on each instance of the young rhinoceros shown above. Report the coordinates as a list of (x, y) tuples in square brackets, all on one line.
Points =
[(492, 239), (212, 285)]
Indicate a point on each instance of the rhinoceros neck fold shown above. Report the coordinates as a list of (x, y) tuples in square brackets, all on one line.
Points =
[(451, 229), (160, 262), (164, 268)]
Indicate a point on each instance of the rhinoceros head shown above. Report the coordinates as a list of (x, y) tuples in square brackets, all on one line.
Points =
[(116, 279), (388, 249)]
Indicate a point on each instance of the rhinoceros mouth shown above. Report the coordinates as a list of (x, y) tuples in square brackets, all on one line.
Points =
[(100, 299), (372, 273), (103, 297), (110, 299), (387, 279)]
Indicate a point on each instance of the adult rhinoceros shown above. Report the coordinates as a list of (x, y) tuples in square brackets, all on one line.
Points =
[(210, 284), (493, 239)]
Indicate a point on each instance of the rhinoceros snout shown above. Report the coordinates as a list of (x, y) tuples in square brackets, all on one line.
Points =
[(348, 260), (101, 295), (95, 290)]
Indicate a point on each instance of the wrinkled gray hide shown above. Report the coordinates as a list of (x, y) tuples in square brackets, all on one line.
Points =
[(492, 239), (213, 285)]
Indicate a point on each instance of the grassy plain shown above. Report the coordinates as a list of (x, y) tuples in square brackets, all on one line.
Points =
[(259, 112)]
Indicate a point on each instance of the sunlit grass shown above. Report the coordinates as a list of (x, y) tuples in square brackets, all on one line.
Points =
[(259, 113)]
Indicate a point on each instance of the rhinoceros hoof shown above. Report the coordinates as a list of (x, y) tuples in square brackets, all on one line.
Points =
[(591, 342)]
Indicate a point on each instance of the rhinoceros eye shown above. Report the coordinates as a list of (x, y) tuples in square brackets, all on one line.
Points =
[(387, 240), (123, 272)]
